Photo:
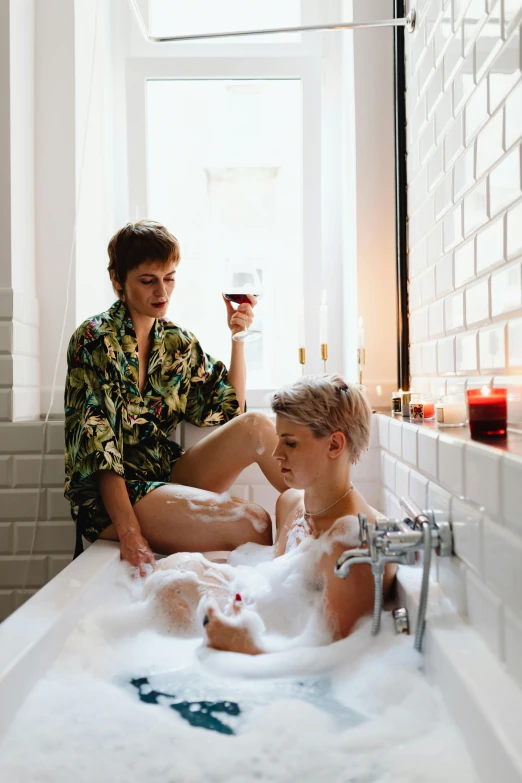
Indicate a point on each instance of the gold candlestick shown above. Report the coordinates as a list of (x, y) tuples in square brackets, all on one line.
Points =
[(302, 359), (361, 359), (324, 354)]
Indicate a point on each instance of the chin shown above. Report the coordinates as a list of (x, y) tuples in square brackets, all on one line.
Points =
[(292, 482)]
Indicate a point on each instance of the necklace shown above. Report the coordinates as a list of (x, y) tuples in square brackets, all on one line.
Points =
[(316, 513)]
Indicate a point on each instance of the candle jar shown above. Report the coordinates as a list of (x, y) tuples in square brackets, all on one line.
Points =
[(450, 411), (405, 405), (487, 409), (396, 402), (429, 408), (416, 408)]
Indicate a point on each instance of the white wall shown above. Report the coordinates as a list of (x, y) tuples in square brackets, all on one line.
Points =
[(55, 194), (464, 113), (22, 146), (100, 144), (5, 144), (370, 128), (19, 367), (464, 197), (478, 488)]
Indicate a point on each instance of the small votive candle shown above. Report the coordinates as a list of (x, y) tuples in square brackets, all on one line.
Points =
[(487, 409), (405, 405), (396, 402), (450, 412), (417, 411), (429, 407)]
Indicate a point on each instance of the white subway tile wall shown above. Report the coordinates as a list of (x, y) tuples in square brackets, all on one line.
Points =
[(19, 362), (479, 489), (475, 312), (464, 136)]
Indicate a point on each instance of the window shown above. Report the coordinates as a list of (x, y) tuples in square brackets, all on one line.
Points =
[(224, 173), (179, 17)]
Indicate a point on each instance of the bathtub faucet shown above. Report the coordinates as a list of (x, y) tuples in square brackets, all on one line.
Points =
[(395, 541)]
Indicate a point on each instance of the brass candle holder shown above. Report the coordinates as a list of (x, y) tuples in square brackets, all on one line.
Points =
[(361, 360), (302, 359), (324, 354)]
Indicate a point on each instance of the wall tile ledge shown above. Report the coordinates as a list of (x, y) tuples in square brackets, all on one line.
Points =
[(487, 476), (474, 683)]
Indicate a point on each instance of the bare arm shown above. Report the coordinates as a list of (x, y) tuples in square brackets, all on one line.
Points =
[(347, 600), (133, 547), (237, 373), (237, 321), (287, 504)]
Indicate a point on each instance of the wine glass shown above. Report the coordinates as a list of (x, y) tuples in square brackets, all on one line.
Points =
[(238, 294), (246, 335)]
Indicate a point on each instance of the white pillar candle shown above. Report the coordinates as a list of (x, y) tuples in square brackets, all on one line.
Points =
[(301, 324), (323, 321), (360, 333), (450, 413)]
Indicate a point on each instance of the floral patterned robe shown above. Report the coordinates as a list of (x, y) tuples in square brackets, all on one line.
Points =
[(110, 426)]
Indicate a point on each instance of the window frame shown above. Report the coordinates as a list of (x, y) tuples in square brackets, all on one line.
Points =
[(308, 71)]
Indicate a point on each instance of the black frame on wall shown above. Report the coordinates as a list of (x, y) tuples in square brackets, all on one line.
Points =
[(401, 204)]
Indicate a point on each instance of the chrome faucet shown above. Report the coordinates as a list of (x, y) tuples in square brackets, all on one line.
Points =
[(395, 541)]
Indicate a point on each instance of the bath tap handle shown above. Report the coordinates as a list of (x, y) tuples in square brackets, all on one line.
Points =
[(442, 538), (415, 513)]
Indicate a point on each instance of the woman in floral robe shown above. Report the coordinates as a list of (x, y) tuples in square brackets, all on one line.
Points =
[(132, 377)]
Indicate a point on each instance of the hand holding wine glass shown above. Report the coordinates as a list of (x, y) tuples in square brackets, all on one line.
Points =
[(240, 319)]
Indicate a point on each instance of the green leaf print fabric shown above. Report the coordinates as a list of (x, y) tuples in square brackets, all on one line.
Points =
[(110, 426)]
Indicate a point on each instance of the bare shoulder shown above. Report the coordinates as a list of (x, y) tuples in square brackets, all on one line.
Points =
[(287, 502), (286, 508)]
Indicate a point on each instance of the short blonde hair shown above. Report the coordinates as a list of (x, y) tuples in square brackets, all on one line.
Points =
[(326, 404)]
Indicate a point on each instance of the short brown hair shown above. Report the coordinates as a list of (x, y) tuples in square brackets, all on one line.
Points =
[(138, 242), (326, 404)]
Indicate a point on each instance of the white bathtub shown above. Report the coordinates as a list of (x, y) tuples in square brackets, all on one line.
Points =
[(483, 701)]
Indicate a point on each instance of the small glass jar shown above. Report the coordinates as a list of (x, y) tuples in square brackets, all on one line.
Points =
[(429, 408), (405, 407), (416, 408), (396, 402), (487, 409), (450, 411)]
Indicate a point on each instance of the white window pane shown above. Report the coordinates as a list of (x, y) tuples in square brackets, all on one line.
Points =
[(183, 17), (225, 176)]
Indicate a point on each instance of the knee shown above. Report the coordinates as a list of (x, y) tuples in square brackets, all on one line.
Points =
[(261, 522), (181, 561), (258, 428)]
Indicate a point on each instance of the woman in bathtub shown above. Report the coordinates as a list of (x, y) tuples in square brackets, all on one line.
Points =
[(323, 426)]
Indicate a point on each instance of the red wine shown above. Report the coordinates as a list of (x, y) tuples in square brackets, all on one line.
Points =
[(238, 298)]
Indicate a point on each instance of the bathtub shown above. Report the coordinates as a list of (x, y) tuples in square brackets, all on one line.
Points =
[(479, 695)]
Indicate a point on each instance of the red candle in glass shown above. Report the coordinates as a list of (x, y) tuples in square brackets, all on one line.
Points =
[(487, 410), (429, 410)]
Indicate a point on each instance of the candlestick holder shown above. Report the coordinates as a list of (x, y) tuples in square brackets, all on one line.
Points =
[(361, 360), (324, 354), (302, 359)]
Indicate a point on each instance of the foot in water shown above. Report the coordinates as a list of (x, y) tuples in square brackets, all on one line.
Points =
[(229, 633)]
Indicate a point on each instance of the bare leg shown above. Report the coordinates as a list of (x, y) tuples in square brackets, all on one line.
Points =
[(215, 462), (182, 519)]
